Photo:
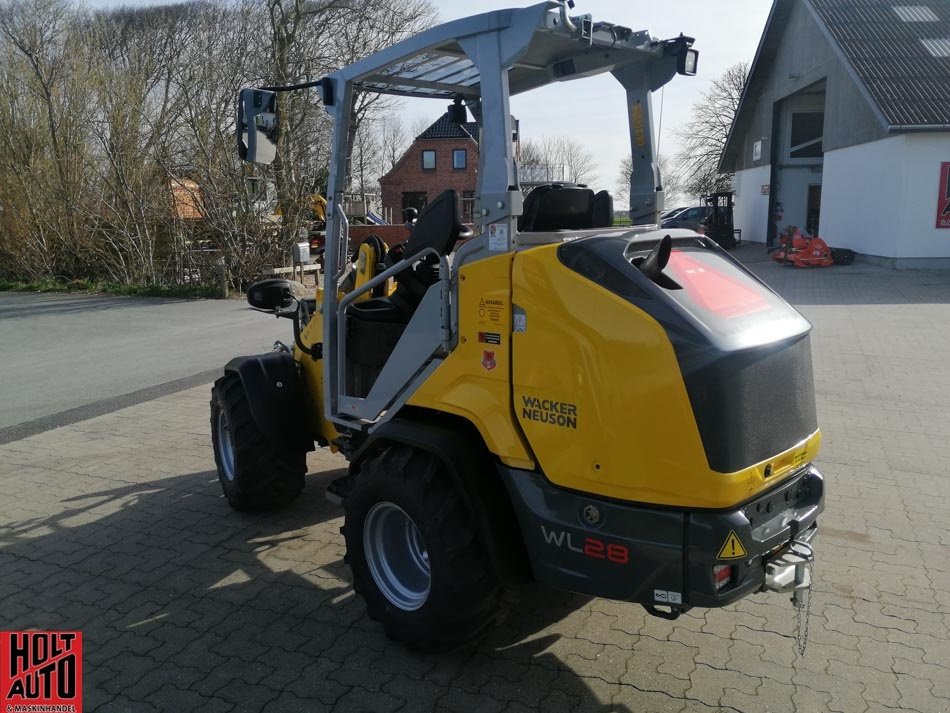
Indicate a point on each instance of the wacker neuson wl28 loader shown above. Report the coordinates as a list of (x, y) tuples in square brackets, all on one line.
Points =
[(626, 413)]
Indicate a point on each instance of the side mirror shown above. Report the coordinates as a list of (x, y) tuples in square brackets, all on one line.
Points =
[(257, 128), (269, 295)]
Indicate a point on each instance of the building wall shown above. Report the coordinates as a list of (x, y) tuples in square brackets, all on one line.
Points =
[(409, 176), (752, 206), (806, 56), (880, 198), (923, 154), (391, 234)]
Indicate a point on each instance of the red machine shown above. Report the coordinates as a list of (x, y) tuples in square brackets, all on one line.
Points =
[(802, 251)]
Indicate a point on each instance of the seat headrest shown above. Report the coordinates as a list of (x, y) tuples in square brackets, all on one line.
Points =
[(557, 207)]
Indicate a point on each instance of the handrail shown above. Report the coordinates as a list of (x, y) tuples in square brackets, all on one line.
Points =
[(349, 298), (344, 238)]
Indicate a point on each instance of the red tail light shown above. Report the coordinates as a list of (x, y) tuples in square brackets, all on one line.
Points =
[(722, 575)]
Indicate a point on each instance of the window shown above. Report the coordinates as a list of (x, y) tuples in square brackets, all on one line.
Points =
[(459, 158), (806, 135), (415, 199), (468, 206), (428, 160)]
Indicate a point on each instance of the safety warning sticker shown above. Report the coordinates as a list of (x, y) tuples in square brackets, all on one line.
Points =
[(732, 548), (498, 237), (491, 311), (489, 337)]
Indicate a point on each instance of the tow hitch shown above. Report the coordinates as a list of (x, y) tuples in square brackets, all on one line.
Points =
[(790, 571)]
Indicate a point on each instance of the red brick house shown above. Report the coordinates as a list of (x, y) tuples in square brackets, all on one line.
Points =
[(443, 156)]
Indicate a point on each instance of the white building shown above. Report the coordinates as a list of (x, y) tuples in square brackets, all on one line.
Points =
[(844, 129)]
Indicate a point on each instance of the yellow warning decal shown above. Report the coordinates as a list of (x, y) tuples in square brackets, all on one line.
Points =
[(732, 548)]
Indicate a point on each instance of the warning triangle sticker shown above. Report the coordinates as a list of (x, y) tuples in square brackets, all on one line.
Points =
[(732, 548)]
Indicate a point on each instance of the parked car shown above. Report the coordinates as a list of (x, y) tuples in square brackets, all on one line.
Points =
[(691, 218), (670, 213)]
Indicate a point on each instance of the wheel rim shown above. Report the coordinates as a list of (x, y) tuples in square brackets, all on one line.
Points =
[(397, 556), (225, 446)]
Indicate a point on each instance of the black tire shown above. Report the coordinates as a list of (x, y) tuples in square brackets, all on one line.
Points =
[(842, 256), (465, 596), (257, 476)]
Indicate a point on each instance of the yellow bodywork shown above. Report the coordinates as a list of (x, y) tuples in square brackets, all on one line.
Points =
[(474, 381), (312, 371), (586, 387), (365, 270), (599, 394)]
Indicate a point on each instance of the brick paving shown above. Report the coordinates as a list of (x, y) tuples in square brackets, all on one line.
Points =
[(116, 526)]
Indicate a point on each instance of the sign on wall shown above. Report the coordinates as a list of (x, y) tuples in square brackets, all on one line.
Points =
[(943, 197)]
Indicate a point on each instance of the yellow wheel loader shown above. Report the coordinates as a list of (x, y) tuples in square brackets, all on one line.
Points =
[(622, 412)]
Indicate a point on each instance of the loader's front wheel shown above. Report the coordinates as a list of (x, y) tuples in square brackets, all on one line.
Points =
[(415, 554), (254, 475)]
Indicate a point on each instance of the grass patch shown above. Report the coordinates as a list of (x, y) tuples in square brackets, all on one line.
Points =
[(111, 288)]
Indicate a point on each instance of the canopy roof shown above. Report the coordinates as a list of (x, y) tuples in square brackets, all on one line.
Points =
[(540, 50)]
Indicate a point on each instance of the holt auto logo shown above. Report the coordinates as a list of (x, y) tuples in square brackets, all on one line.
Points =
[(41, 671)]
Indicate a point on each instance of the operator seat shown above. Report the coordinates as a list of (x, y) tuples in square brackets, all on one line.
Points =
[(565, 206), (438, 226), (373, 327)]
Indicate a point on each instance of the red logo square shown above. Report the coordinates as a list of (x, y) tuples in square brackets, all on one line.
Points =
[(41, 670)]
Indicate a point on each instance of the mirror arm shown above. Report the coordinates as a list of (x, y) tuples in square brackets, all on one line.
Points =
[(293, 87), (295, 317), (324, 85)]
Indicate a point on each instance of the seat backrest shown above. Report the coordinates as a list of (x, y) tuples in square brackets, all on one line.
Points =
[(557, 206), (603, 210), (438, 226)]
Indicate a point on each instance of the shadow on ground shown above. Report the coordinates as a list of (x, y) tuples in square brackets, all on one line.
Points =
[(185, 604)]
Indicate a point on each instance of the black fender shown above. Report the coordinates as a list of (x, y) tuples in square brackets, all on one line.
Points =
[(276, 396), (459, 445)]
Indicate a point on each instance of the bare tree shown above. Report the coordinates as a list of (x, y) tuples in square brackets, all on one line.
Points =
[(117, 132), (417, 126), (704, 137), (556, 158), (394, 139), (672, 180), (42, 61)]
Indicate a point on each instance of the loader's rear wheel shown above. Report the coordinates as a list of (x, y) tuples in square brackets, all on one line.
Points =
[(254, 475), (415, 554)]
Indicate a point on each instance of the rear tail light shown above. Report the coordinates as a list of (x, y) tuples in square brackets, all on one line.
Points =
[(722, 575)]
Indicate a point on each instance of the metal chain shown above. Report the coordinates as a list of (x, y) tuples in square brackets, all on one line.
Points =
[(804, 617)]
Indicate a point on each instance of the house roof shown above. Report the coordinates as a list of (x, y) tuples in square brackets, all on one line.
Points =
[(442, 128), (900, 52), (890, 48)]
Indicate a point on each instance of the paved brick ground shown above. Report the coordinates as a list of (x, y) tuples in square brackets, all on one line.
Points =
[(116, 526)]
